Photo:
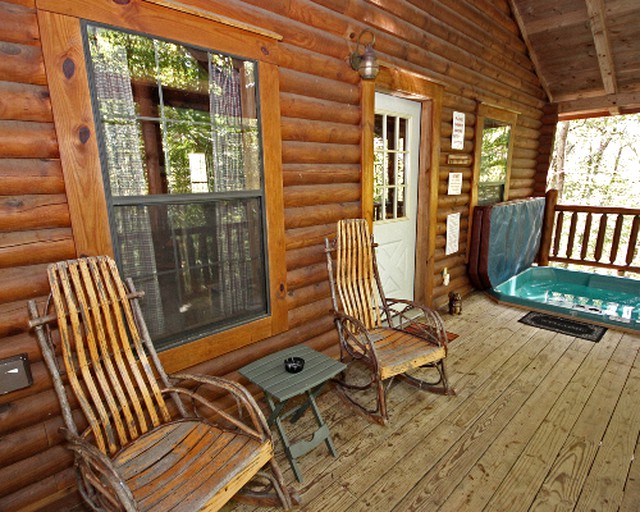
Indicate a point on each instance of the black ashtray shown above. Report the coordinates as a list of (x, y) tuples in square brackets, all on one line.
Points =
[(294, 364)]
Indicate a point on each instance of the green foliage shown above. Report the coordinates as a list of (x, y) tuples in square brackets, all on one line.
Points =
[(596, 163), (601, 162), (495, 151), (153, 60), (493, 161)]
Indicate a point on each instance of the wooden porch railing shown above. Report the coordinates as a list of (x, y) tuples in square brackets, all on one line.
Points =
[(593, 236)]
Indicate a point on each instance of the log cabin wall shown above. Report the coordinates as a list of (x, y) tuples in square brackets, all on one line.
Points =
[(34, 230), (472, 47)]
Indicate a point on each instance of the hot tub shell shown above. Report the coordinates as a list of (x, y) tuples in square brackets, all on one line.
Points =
[(608, 300)]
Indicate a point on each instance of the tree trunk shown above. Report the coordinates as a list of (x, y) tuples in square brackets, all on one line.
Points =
[(556, 180)]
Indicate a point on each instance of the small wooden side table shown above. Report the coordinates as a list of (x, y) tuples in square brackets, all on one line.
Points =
[(279, 387)]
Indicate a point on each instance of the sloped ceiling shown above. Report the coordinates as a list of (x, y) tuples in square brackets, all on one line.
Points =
[(586, 52)]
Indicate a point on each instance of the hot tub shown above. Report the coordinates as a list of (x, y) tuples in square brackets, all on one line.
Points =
[(604, 299)]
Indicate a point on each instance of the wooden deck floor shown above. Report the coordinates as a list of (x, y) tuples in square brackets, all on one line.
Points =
[(541, 421)]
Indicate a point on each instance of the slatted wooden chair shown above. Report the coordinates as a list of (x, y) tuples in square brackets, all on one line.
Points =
[(153, 441), (390, 337)]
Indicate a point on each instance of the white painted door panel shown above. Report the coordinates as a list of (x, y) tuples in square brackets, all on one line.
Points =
[(396, 165)]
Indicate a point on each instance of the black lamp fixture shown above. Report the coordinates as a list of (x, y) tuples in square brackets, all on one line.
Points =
[(365, 63)]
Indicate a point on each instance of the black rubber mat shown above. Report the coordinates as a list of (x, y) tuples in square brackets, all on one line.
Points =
[(564, 325)]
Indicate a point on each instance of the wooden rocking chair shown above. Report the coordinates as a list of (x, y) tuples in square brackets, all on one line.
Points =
[(150, 443), (390, 337)]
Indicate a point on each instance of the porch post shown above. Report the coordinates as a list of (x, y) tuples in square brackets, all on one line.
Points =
[(551, 200)]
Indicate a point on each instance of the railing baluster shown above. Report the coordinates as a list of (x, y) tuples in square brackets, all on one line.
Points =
[(572, 233), (633, 239), (585, 237), (616, 238), (191, 261), (601, 234), (579, 251), (558, 235)]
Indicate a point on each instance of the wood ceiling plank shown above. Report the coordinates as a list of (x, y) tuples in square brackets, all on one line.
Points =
[(530, 48), (586, 52), (562, 20)]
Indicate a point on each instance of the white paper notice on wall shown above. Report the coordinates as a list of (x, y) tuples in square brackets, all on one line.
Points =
[(457, 135), (455, 184), (453, 233)]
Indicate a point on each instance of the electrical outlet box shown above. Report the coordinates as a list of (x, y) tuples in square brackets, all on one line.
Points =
[(446, 277), (15, 373)]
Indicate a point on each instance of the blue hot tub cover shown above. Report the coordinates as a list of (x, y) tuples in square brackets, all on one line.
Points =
[(505, 240)]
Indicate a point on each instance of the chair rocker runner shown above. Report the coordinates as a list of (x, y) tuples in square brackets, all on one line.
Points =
[(389, 337), (153, 441)]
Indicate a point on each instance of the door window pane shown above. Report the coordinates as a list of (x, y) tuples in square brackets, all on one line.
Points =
[(390, 166)]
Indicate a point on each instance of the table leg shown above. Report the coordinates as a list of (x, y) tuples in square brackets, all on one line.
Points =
[(275, 410), (275, 418), (300, 448), (321, 423), (303, 408)]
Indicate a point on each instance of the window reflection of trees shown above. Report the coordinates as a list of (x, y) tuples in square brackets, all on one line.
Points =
[(184, 168), (389, 167), (493, 161)]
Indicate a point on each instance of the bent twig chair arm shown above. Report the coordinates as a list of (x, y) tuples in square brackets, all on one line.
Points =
[(243, 398), (426, 324), (392, 314), (99, 475), (355, 338)]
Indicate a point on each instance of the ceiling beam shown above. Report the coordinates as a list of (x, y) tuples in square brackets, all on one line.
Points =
[(612, 103), (600, 33)]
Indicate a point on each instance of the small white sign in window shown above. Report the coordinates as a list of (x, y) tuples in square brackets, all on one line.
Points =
[(198, 170)]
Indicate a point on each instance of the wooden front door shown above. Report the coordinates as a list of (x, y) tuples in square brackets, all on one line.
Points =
[(395, 191)]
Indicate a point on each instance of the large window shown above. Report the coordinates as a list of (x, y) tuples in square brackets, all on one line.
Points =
[(182, 161)]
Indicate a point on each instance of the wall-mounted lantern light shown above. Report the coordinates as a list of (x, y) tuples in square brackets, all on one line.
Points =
[(365, 63)]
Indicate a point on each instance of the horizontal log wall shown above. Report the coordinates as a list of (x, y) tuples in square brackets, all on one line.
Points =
[(472, 47), (34, 231)]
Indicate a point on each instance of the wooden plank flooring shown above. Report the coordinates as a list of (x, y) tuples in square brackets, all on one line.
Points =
[(541, 421)]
